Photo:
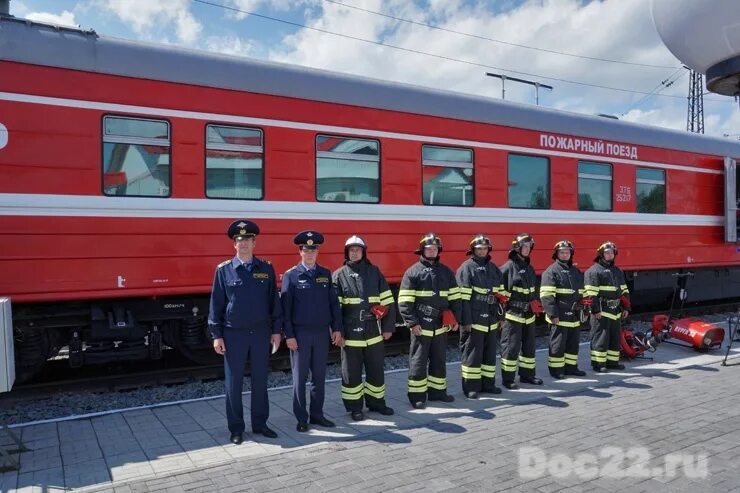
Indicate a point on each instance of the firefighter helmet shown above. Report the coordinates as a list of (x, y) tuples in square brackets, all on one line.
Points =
[(426, 240), (479, 240), (608, 245), (521, 240), (562, 245), (354, 240)]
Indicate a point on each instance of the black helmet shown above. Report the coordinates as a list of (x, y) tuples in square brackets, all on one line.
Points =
[(429, 239), (479, 240), (521, 240), (607, 245), (563, 245)]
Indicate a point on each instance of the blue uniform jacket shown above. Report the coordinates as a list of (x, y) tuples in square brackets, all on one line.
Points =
[(309, 302), (244, 299)]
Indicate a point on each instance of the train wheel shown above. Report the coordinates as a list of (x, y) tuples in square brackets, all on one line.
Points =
[(32, 349), (190, 337)]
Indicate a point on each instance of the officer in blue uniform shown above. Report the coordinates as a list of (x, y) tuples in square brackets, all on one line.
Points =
[(311, 309), (244, 321)]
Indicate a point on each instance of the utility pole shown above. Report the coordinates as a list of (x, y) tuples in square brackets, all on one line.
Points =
[(536, 85), (695, 114)]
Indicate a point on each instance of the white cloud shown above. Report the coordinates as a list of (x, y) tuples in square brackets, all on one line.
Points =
[(610, 29), (149, 18), (245, 6), (229, 45), (66, 18)]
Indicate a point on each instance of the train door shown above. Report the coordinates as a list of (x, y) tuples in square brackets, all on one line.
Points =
[(732, 201)]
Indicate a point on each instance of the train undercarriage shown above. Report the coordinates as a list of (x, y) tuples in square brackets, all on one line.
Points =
[(104, 331)]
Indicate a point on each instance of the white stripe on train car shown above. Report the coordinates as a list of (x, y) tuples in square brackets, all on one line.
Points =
[(148, 207), (364, 132)]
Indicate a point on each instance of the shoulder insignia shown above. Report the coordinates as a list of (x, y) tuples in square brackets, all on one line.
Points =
[(223, 263)]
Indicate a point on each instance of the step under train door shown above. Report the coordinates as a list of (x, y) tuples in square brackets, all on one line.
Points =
[(732, 198)]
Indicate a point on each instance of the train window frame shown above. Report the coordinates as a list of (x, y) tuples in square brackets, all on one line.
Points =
[(234, 147), (649, 181), (350, 157), (588, 176), (549, 181), (107, 138), (449, 164)]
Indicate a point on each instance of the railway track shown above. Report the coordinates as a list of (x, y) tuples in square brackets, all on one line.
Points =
[(178, 371)]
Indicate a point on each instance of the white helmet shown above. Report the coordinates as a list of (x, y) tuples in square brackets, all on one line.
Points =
[(354, 240)]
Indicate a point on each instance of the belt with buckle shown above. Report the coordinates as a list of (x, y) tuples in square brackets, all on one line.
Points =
[(428, 310), (523, 306), (485, 298), (611, 303), (366, 315)]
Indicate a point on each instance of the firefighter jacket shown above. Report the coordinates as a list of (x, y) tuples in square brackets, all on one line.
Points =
[(561, 289), (606, 283), (478, 279), (519, 285), (427, 289), (360, 286)]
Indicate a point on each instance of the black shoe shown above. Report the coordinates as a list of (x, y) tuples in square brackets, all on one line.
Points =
[(511, 385), (236, 438), (419, 405), (600, 369), (265, 432), (575, 372), (557, 376), (472, 395), (302, 427), (531, 380), (443, 398), (492, 390), (322, 421), (357, 416), (617, 366), (385, 410)]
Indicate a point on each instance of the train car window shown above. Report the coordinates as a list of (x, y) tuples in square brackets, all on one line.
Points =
[(447, 176), (347, 169), (594, 186), (234, 162), (651, 190), (136, 157), (529, 182)]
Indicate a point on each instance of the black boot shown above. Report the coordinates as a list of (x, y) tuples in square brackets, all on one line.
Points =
[(531, 380), (575, 372), (556, 375), (615, 366)]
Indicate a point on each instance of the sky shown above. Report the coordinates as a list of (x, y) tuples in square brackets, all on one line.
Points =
[(600, 56)]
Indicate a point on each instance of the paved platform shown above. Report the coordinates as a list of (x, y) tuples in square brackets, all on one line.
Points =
[(672, 424)]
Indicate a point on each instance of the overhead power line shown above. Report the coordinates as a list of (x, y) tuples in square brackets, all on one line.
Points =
[(420, 52), (499, 41)]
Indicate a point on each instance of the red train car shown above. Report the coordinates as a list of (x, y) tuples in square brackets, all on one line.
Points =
[(122, 163)]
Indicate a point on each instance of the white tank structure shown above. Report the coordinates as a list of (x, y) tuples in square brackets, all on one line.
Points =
[(705, 36)]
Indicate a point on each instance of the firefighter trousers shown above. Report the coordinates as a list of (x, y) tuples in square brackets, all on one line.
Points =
[(605, 340), (427, 365), (478, 360), (517, 350), (563, 352), (355, 393)]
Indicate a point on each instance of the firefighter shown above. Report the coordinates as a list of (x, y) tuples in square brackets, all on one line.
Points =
[(368, 318), (481, 286), (429, 302), (561, 293), (605, 282), (311, 310), (517, 332)]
